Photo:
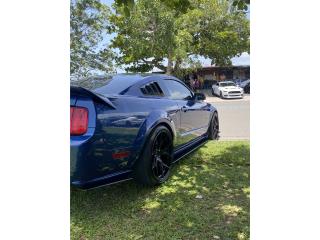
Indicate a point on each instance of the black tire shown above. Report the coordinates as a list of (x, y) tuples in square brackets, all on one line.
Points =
[(213, 132), (153, 167), (221, 95), (212, 92)]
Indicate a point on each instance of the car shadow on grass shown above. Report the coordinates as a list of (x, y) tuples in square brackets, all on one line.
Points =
[(207, 197)]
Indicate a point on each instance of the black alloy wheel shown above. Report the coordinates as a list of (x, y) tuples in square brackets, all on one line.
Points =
[(153, 167), (161, 156), (213, 133)]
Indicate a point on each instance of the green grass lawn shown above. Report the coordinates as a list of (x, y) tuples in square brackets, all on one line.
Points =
[(218, 171)]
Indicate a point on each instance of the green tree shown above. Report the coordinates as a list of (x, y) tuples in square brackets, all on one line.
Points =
[(179, 5), (219, 31), (144, 38), (155, 31), (88, 23), (241, 4), (182, 5)]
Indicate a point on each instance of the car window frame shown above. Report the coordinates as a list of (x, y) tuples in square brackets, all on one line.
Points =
[(167, 92)]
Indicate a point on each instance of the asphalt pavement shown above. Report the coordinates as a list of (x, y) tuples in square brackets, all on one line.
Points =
[(234, 117)]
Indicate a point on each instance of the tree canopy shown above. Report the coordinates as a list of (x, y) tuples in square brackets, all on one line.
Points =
[(88, 24), (167, 34), (155, 31), (183, 5)]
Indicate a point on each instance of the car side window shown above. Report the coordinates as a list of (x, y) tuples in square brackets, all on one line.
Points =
[(177, 90), (152, 89)]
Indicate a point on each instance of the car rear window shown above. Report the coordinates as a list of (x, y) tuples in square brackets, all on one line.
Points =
[(116, 84)]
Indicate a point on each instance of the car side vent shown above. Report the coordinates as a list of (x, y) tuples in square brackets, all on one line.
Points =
[(152, 89)]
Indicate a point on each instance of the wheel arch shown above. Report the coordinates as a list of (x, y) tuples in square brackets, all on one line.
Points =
[(148, 132), (165, 124)]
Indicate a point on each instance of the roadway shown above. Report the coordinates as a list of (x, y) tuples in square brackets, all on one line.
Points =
[(234, 117)]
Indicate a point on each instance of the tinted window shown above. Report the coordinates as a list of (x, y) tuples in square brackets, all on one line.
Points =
[(227, 84), (117, 84), (177, 90)]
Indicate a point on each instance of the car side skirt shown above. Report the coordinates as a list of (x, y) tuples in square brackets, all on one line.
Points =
[(189, 148)]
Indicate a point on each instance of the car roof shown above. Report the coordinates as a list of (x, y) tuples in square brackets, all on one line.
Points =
[(115, 84)]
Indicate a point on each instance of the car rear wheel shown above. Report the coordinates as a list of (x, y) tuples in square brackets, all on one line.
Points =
[(153, 167), (213, 133)]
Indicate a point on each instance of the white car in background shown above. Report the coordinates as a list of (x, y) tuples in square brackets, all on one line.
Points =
[(227, 89)]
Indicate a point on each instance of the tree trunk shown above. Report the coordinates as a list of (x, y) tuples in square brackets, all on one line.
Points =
[(177, 65), (170, 65)]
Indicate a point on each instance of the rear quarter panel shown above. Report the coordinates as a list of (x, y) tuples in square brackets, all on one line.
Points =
[(79, 167), (119, 132), (126, 128)]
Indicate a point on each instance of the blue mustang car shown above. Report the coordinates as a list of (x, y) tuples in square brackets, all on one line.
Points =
[(135, 126)]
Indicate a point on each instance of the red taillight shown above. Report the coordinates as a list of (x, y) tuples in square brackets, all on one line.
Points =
[(78, 120)]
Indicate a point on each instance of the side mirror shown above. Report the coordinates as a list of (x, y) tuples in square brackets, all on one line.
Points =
[(199, 96)]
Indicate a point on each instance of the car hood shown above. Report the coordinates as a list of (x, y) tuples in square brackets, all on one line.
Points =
[(231, 88)]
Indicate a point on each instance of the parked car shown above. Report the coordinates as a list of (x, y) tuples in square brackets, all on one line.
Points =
[(134, 126), (227, 89), (241, 82), (237, 82), (246, 88), (244, 83)]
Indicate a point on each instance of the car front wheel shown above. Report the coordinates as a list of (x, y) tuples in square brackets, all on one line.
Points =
[(153, 167)]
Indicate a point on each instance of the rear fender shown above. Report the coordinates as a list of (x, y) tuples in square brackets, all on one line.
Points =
[(155, 119), (78, 167)]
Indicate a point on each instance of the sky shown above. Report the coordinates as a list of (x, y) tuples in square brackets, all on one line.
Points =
[(244, 59)]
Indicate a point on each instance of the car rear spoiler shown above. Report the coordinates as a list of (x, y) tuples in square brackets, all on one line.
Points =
[(80, 91)]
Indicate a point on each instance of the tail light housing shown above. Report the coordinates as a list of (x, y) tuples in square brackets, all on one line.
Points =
[(78, 120)]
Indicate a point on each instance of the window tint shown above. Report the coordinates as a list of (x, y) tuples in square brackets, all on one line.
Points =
[(177, 90), (112, 85), (152, 88), (227, 84)]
